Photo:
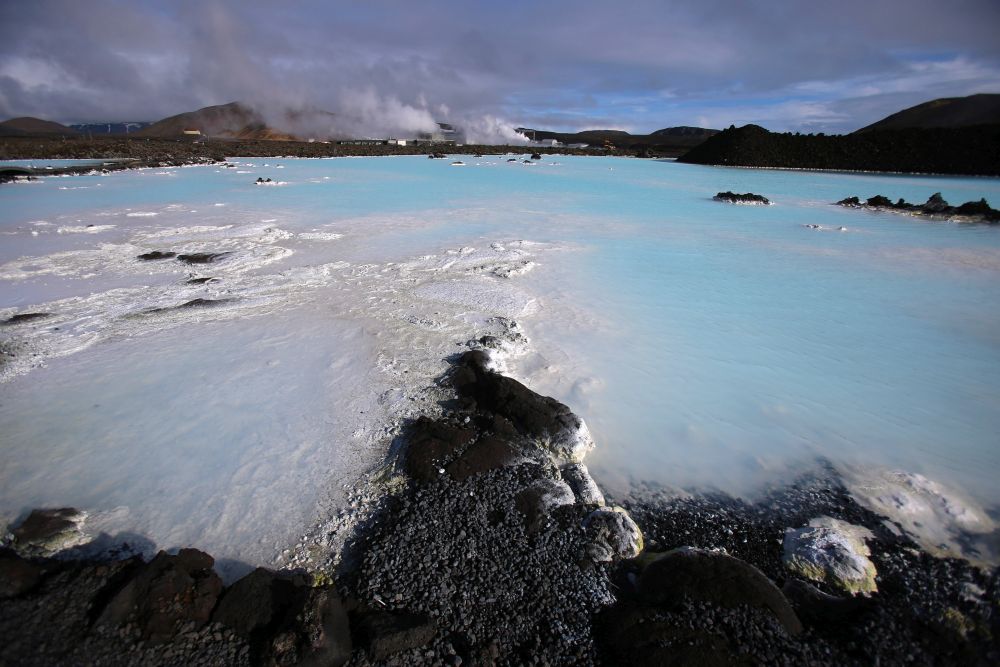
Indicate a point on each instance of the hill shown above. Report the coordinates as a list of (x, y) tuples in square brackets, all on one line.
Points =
[(954, 150), (28, 126), (239, 121), (665, 140), (219, 120), (983, 109)]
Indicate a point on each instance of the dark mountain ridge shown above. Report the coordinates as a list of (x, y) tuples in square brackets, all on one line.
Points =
[(29, 126), (981, 109)]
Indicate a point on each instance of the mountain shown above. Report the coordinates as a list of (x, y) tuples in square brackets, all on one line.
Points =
[(28, 126), (983, 109), (973, 150), (238, 121), (666, 139)]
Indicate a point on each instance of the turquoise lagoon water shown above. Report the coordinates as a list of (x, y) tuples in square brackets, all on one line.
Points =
[(707, 345)]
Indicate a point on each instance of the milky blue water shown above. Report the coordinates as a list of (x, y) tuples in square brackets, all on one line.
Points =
[(707, 345)]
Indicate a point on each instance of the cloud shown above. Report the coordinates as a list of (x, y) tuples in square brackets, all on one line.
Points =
[(390, 67)]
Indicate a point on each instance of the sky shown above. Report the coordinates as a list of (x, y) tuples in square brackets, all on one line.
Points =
[(392, 67)]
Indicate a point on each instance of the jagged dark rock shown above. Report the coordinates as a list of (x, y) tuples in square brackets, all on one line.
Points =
[(22, 318), (745, 198), (150, 599), (878, 200), (533, 415), (48, 531), (202, 257), (156, 254), (935, 208)]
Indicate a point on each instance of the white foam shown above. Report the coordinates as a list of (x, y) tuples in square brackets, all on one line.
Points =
[(319, 236), (87, 229), (141, 214)]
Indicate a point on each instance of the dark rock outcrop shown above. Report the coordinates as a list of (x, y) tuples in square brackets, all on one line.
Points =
[(22, 318), (713, 577), (935, 208), (745, 198), (202, 257), (534, 416), (167, 593), (156, 254)]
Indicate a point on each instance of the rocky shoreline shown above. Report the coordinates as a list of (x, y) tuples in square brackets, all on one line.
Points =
[(141, 148), (492, 545)]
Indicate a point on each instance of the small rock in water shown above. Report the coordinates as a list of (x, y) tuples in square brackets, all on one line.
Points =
[(202, 257), (745, 198), (833, 552), (156, 254)]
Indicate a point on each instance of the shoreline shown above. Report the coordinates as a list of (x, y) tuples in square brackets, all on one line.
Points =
[(492, 545)]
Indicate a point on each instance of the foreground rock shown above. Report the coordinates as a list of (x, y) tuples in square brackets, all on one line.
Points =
[(935, 208), (46, 532), (173, 610), (745, 198), (834, 552)]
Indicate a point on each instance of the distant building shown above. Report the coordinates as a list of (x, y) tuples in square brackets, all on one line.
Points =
[(445, 134), (195, 133), (396, 142)]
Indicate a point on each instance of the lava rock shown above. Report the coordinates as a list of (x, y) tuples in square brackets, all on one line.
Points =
[(538, 500), (156, 254), (713, 577), (935, 204), (253, 602), (21, 318), (432, 442), (542, 418), (818, 608), (745, 198), (487, 453), (202, 257), (879, 201), (167, 592), (584, 487), (614, 533), (315, 631), (833, 552), (386, 633), (17, 575), (48, 531)]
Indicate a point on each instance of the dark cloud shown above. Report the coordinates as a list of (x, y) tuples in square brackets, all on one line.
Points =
[(389, 66)]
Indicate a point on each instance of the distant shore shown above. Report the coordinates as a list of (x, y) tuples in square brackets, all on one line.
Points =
[(111, 148)]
